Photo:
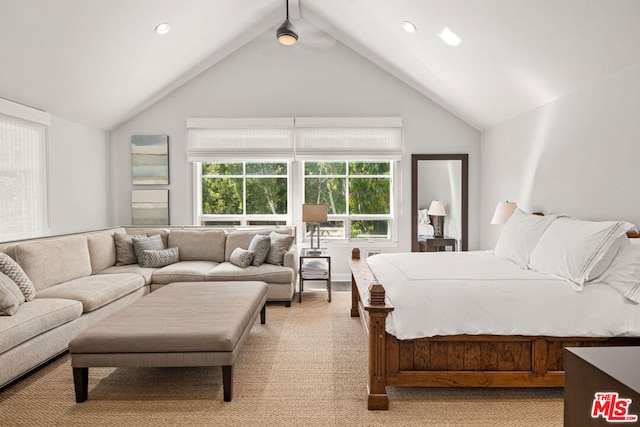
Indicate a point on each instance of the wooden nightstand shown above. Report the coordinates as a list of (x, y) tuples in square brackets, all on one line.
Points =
[(436, 244)]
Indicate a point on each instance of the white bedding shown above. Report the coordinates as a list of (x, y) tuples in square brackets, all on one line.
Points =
[(477, 293)]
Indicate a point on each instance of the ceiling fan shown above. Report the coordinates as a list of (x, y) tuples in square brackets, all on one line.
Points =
[(286, 32)]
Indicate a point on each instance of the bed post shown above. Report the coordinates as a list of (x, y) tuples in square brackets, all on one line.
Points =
[(368, 300), (378, 310), (355, 295)]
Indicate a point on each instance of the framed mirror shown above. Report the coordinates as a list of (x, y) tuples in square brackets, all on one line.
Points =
[(440, 181)]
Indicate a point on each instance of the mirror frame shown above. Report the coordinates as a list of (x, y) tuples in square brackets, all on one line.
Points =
[(415, 158)]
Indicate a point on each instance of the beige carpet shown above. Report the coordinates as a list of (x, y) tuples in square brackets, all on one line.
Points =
[(306, 366)]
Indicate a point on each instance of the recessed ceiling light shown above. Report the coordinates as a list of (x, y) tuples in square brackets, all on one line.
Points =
[(409, 27), (449, 37), (163, 28)]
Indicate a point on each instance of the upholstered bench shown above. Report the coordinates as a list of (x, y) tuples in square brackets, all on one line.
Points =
[(181, 324)]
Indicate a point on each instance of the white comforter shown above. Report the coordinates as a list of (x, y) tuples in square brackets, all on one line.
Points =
[(445, 293)]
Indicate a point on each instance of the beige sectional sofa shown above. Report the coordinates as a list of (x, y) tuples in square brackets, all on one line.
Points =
[(80, 279)]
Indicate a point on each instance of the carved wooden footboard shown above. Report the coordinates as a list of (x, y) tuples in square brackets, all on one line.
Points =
[(453, 361)]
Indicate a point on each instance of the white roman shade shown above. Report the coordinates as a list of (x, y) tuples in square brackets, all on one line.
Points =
[(301, 138), (23, 171), (224, 140), (366, 138)]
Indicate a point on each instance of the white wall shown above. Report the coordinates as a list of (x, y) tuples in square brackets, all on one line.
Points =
[(264, 79), (577, 155), (78, 177)]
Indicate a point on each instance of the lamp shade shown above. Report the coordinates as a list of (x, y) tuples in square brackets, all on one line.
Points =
[(437, 208), (503, 212), (314, 213)]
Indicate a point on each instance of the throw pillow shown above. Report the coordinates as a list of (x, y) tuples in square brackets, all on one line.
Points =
[(159, 258), (260, 246), (143, 243), (125, 254), (241, 257), (13, 270), (10, 296), (280, 244)]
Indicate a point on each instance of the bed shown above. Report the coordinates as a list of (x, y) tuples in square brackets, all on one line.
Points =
[(463, 354)]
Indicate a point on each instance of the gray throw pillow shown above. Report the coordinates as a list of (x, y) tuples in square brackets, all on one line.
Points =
[(125, 254), (13, 270), (280, 244), (260, 246), (143, 243), (10, 296), (241, 257), (159, 258)]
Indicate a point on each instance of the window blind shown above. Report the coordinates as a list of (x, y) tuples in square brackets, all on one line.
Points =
[(307, 138), (23, 185), (224, 140)]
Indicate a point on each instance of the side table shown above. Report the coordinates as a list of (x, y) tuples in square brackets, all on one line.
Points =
[(315, 264), (601, 386), (436, 244)]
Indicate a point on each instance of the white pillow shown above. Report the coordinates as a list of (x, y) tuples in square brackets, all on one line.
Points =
[(577, 250), (520, 236), (624, 273)]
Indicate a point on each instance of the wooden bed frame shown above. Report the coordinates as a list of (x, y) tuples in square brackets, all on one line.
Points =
[(458, 360)]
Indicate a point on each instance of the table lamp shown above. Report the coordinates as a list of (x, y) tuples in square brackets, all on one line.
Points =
[(437, 214), (314, 214)]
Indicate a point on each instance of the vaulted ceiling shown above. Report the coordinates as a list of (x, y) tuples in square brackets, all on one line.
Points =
[(99, 62)]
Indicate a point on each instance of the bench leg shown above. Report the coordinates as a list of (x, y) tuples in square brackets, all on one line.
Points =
[(263, 314), (227, 382), (81, 383)]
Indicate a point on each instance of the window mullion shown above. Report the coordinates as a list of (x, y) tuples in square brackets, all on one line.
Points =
[(244, 192)]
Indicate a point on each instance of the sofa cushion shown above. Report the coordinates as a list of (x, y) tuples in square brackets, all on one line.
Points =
[(280, 244), (131, 268), (183, 271), (36, 317), (10, 296), (14, 272), (102, 251), (95, 291), (266, 273), (125, 254), (49, 262), (159, 258), (199, 245), (141, 244), (241, 257), (260, 246)]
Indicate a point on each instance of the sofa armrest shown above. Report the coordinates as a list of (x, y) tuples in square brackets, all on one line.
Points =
[(291, 259)]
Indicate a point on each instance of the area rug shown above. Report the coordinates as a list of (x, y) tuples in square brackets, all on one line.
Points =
[(306, 366)]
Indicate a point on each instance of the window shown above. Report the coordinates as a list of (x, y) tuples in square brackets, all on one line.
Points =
[(244, 193), (243, 171), (23, 186), (358, 196)]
